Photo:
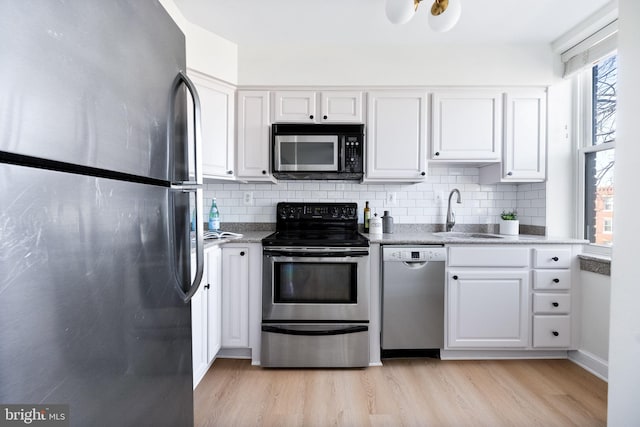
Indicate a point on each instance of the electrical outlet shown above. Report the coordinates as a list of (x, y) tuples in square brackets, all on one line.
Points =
[(248, 198), (392, 199)]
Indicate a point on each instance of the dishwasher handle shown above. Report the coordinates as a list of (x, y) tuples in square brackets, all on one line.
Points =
[(415, 265)]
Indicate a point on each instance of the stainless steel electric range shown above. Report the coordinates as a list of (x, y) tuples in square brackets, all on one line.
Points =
[(315, 288)]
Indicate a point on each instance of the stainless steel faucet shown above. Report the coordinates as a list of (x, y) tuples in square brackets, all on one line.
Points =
[(451, 218)]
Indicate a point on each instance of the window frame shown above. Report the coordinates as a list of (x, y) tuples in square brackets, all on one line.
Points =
[(584, 112)]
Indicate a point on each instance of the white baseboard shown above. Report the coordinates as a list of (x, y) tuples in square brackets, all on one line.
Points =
[(501, 354), (591, 363)]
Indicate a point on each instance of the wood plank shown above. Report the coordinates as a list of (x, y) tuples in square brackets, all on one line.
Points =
[(409, 392)]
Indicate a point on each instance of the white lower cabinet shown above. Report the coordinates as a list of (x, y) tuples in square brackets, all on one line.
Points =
[(205, 315), (488, 309), (551, 331), (511, 297), (235, 297)]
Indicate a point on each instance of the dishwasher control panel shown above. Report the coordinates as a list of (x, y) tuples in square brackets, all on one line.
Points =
[(414, 253)]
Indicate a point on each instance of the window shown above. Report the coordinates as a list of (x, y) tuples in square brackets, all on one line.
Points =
[(598, 152)]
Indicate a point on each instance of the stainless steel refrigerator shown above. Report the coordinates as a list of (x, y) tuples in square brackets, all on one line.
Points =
[(95, 196)]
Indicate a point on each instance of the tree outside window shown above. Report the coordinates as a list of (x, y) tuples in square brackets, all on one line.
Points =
[(600, 159)]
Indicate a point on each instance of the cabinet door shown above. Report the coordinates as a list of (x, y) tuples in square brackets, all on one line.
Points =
[(488, 309), (525, 142), (466, 125), (253, 136), (217, 101), (341, 106), (214, 303), (294, 106), (235, 297), (199, 308), (396, 136)]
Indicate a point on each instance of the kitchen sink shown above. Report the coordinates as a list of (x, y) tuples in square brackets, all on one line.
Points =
[(463, 235)]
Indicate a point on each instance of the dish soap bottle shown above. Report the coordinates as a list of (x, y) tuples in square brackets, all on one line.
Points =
[(214, 217), (367, 217)]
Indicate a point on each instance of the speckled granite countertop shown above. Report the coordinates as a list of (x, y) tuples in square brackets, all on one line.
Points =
[(247, 237), (423, 238)]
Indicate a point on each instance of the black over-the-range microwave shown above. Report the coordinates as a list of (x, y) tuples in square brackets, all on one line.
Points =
[(317, 151)]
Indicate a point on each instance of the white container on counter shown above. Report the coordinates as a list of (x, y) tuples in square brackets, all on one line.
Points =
[(375, 225)]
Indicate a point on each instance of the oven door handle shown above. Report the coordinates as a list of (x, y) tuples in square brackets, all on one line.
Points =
[(314, 254), (314, 333)]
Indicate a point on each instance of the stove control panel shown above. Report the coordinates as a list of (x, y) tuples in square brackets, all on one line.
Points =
[(317, 211)]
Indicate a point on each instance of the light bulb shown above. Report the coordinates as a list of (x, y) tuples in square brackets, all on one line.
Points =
[(447, 19), (399, 11)]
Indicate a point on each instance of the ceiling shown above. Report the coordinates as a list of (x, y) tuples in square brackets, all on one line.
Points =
[(363, 22)]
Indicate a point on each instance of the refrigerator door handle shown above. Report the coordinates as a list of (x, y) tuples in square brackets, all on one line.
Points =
[(182, 78), (199, 219), (190, 186)]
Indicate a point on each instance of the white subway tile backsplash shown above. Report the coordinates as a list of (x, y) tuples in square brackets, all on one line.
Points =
[(416, 203)]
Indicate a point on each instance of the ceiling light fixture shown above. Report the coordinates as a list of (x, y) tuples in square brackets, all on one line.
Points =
[(443, 16)]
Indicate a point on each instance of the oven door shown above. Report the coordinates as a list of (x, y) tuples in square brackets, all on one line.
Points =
[(306, 153), (315, 285)]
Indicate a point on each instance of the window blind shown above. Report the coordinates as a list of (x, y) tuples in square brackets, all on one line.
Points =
[(590, 50)]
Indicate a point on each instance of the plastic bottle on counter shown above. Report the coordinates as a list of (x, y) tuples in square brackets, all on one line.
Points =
[(367, 217), (387, 223), (193, 220), (214, 217)]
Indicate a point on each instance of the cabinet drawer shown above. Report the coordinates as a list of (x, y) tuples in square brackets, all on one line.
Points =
[(482, 256), (552, 258), (552, 279), (551, 303), (551, 331)]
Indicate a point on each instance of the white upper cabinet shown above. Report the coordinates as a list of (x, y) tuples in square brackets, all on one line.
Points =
[(525, 142), (317, 107), (341, 106), (294, 106), (253, 136), (217, 101), (396, 136), (466, 125)]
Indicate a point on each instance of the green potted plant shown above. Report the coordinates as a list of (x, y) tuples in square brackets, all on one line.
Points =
[(509, 223)]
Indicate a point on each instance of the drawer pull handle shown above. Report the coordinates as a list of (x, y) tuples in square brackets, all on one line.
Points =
[(242, 253), (311, 116), (556, 280), (555, 304), (555, 333), (555, 258), (455, 277), (207, 286)]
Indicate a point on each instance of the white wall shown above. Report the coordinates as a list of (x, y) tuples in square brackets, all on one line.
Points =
[(206, 52), (398, 65), (624, 346), (561, 151), (417, 204), (595, 290)]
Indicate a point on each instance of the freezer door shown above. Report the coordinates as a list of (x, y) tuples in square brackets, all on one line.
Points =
[(89, 82), (90, 312)]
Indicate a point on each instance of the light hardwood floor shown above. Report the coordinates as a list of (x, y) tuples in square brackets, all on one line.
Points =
[(418, 392)]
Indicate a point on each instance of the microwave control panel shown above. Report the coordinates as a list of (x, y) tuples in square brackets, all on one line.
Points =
[(353, 154)]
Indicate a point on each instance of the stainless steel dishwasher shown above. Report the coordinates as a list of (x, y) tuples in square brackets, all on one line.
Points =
[(413, 279)]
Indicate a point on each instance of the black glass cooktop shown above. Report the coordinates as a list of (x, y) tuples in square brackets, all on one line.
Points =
[(316, 224)]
